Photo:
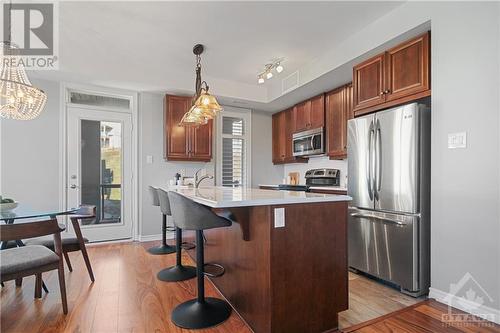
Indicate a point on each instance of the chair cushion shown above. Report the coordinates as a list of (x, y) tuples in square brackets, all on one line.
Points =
[(49, 241), (25, 257)]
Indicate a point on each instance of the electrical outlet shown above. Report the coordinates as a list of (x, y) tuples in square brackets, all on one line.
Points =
[(279, 217), (457, 140)]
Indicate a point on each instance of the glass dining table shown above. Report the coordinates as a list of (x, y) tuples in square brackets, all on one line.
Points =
[(23, 212)]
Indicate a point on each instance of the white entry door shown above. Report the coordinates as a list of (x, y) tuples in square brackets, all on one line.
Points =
[(99, 173)]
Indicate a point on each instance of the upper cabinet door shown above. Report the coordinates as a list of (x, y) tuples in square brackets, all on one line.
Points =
[(335, 122), (177, 137), (303, 116), (289, 119), (368, 82), (279, 137), (317, 114), (408, 68), (200, 148)]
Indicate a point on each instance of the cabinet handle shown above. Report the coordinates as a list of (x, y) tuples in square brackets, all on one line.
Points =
[(387, 91), (382, 92)]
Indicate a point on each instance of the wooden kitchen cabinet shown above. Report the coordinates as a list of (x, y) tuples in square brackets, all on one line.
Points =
[(185, 143), (368, 81), (310, 114), (279, 137), (338, 109), (397, 76), (408, 68), (283, 128), (302, 116), (317, 112)]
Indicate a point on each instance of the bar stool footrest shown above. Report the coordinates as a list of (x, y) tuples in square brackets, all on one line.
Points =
[(219, 273), (188, 245)]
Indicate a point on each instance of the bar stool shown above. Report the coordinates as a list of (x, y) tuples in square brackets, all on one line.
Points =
[(178, 272), (201, 312), (164, 248)]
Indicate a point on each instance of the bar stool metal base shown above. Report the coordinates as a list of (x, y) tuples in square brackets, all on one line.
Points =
[(177, 273), (162, 249), (195, 315)]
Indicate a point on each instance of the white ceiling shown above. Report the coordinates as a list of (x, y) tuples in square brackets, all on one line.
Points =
[(147, 46)]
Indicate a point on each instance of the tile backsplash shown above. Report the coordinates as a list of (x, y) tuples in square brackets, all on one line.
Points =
[(318, 163)]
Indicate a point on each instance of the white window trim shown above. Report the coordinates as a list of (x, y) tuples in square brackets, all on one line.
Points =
[(246, 114)]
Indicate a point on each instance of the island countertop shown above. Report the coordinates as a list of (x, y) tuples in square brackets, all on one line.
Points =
[(226, 197)]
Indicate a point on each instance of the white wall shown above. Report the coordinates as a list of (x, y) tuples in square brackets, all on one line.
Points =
[(30, 155), (263, 170)]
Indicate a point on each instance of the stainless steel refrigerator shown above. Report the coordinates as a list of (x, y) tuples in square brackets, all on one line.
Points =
[(388, 156)]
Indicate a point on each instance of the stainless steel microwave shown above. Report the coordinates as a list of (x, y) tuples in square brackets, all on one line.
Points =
[(309, 142)]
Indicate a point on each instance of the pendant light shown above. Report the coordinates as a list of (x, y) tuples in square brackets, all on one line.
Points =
[(19, 99), (205, 106)]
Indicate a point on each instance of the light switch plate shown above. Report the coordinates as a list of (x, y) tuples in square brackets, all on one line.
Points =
[(457, 140), (279, 217), (149, 159)]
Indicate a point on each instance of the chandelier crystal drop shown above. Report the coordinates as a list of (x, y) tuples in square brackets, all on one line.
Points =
[(18, 98)]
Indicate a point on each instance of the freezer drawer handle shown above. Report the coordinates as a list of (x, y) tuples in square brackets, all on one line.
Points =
[(394, 221)]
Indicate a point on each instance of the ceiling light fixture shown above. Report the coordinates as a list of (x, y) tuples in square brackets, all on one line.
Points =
[(269, 68), (205, 106), (279, 68), (18, 98)]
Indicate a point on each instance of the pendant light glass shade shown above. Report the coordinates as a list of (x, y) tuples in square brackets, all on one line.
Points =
[(204, 108), (207, 104), (194, 117), (18, 98)]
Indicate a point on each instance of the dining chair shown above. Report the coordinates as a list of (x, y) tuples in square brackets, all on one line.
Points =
[(29, 260), (72, 243)]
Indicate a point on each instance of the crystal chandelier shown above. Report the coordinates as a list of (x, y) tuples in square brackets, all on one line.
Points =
[(205, 106), (18, 98)]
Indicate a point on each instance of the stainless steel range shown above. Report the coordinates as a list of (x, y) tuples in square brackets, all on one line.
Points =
[(389, 181), (323, 177)]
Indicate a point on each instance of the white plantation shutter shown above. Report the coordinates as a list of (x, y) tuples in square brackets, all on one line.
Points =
[(234, 141)]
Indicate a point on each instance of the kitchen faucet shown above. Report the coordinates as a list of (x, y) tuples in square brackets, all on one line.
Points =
[(197, 180)]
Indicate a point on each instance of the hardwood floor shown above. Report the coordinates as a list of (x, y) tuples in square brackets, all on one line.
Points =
[(127, 297), (426, 316), (369, 299)]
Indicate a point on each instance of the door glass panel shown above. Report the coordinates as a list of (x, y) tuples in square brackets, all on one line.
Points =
[(101, 161)]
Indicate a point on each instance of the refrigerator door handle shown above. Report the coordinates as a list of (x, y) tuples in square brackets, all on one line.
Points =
[(378, 158), (370, 161)]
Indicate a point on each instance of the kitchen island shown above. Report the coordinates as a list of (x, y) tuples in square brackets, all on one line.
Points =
[(285, 256)]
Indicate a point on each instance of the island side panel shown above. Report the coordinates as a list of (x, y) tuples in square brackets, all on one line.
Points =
[(309, 275), (246, 282)]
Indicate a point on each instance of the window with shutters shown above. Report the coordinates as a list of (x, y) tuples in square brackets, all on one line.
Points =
[(233, 144)]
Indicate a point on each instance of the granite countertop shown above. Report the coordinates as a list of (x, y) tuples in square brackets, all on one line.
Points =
[(224, 197)]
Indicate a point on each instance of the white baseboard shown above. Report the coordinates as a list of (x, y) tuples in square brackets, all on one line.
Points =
[(480, 310), (149, 238)]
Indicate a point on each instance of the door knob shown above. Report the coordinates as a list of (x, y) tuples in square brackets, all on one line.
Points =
[(73, 186)]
